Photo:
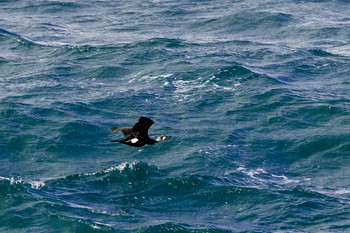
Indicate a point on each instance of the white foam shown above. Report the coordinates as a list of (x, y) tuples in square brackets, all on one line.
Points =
[(35, 184), (252, 173), (96, 227), (283, 177), (4, 178), (226, 88), (342, 191), (17, 180), (266, 178), (136, 77), (121, 167), (339, 192)]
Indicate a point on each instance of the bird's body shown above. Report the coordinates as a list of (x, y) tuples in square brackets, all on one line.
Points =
[(137, 135)]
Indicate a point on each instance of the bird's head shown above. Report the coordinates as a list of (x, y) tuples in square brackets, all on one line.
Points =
[(162, 138)]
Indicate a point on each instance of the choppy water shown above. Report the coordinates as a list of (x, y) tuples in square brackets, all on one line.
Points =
[(254, 93)]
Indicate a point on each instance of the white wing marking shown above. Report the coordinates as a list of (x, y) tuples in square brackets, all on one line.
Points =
[(134, 140)]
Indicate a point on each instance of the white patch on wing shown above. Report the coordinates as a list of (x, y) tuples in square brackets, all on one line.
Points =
[(134, 140)]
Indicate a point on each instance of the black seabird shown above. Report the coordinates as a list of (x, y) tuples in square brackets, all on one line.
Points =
[(138, 134)]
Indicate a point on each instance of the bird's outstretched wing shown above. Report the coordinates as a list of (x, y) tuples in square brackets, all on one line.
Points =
[(127, 131), (143, 125)]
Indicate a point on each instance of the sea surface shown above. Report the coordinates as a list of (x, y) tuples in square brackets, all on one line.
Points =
[(255, 94)]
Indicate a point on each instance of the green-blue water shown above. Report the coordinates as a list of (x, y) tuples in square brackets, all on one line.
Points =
[(254, 93)]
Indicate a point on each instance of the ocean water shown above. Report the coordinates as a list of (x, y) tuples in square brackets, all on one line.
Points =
[(255, 95)]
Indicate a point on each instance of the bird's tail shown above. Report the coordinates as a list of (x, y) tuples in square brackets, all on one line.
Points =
[(116, 141)]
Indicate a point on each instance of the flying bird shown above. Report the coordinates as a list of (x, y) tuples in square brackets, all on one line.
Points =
[(137, 135)]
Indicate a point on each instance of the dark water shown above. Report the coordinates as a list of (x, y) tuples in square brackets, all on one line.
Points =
[(254, 93)]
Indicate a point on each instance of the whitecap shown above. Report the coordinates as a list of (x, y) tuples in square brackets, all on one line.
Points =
[(4, 178), (121, 167), (263, 176), (34, 184), (37, 184)]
